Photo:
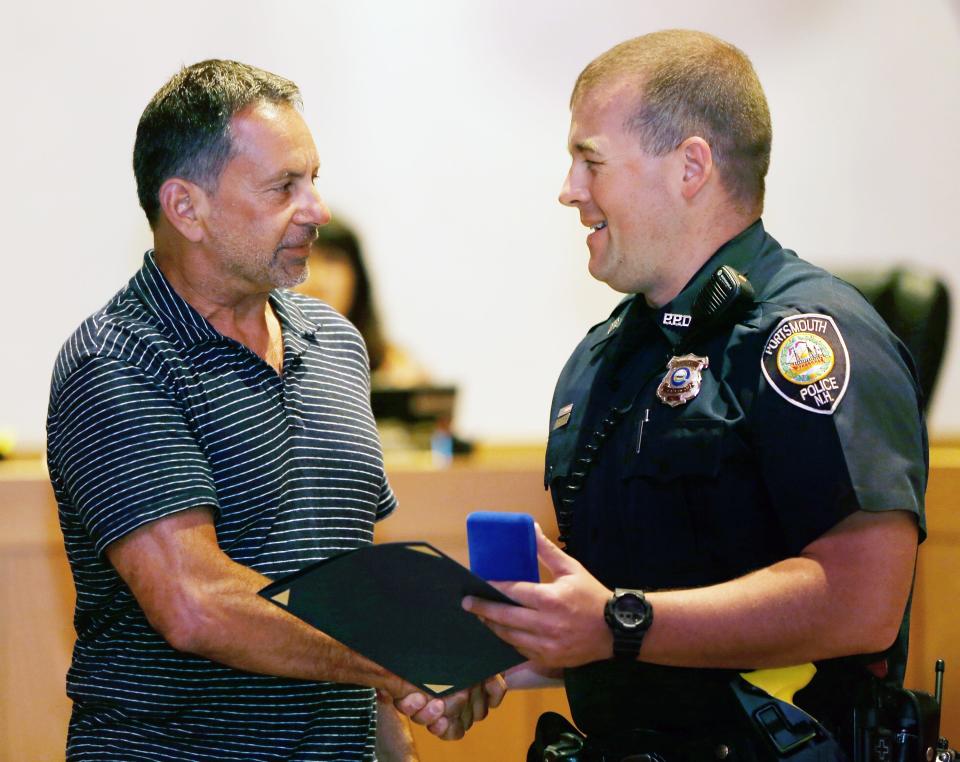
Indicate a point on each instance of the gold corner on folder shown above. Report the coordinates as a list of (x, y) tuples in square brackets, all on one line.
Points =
[(437, 688), (425, 550), (282, 598)]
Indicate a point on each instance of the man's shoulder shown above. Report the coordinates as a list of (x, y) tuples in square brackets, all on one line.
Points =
[(121, 330), (319, 315)]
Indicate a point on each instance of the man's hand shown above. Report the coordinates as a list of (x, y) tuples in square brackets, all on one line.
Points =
[(559, 623), (450, 717)]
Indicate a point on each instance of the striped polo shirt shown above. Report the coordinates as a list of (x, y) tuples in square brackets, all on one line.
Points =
[(153, 411)]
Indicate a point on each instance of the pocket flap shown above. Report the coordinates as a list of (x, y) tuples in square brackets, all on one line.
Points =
[(692, 448)]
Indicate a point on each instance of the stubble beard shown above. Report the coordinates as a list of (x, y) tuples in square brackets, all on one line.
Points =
[(262, 268), (280, 277)]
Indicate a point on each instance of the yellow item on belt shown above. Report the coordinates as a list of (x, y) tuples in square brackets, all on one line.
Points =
[(782, 682)]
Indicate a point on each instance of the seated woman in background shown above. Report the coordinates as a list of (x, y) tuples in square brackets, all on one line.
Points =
[(338, 277)]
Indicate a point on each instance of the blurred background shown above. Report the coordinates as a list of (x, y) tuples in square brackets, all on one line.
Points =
[(442, 131)]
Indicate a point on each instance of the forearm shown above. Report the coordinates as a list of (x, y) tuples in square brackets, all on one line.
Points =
[(844, 594), (782, 615), (225, 620), (530, 675), (204, 603)]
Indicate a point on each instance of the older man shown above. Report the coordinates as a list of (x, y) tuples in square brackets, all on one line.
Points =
[(737, 455), (207, 430)]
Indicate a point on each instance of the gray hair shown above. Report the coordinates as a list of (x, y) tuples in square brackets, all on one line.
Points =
[(185, 129)]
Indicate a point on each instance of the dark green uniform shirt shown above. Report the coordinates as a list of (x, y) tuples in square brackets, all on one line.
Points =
[(803, 411)]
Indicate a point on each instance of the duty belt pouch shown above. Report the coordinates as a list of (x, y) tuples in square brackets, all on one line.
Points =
[(556, 739), (785, 731)]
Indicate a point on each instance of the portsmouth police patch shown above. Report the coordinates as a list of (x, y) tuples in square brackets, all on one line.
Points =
[(806, 361)]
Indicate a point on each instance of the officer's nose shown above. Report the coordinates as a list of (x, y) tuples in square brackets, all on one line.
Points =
[(573, 192)]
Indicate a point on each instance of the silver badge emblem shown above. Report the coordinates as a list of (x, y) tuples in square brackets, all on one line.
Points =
[(682, 382)]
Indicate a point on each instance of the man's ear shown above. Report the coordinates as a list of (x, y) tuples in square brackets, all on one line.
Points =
[(183, 203), (697, 165)]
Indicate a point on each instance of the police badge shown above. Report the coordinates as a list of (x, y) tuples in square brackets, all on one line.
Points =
[(682, 382)]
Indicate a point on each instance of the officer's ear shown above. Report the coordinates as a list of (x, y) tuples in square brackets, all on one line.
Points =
[(183, 204), (697, 166)]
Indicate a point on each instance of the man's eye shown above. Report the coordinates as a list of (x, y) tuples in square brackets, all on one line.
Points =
[(285, 188)]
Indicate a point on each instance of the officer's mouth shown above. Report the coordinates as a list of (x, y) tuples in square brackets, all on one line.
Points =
[(596, 230)]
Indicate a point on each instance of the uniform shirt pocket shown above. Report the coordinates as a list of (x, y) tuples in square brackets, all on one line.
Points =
[(693, 448), (693, 501)]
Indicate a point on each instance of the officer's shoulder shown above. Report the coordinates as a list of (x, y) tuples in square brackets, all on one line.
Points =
[(800, 287)]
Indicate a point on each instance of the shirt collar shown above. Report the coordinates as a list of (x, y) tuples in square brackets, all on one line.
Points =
[(298, 330), (189, 326), (625, 316), (739, 252)]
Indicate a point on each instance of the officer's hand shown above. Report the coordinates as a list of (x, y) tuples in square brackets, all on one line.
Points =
[(559, 623), (450, 717)]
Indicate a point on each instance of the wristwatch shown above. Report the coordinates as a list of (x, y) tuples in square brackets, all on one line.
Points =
[(629, 615)]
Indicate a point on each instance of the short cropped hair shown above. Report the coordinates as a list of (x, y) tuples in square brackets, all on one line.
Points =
[(185, 129), (693, 84)]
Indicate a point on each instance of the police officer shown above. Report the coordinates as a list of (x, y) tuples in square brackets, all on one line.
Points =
[(737, 455)]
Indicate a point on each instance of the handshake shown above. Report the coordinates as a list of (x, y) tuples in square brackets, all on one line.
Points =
[(376, 599), (450, 716)]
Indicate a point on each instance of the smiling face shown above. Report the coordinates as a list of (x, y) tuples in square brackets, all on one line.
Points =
[(263, 215), (628, 197)]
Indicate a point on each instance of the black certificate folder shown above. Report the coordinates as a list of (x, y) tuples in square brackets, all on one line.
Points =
[(398, 604)]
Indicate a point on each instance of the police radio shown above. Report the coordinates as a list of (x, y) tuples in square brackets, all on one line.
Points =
[(720, 302), (902, 725)]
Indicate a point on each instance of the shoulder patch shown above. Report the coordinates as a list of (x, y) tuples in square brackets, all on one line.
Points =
[(805, 360)]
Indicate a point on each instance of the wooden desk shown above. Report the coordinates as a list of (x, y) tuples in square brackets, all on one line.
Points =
[(36, 596)]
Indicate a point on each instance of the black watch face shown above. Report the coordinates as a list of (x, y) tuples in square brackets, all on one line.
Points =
[(630, 611)]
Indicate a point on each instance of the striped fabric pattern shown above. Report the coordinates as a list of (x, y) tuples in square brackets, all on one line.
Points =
[(153, 411)]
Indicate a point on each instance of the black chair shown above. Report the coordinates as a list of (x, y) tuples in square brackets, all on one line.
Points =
[(916, 306)]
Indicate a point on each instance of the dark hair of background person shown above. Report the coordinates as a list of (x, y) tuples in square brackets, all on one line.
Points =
[(363, 310), (689, 84), (185, 129)]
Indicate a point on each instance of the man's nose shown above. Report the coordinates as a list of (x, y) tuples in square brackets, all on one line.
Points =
[(314, 210)]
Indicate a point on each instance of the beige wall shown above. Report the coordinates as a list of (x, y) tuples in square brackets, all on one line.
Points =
[(36, 596)]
